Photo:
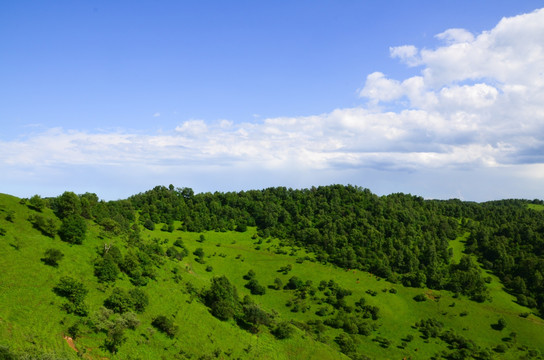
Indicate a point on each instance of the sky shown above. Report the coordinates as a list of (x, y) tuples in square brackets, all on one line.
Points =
[(442, 99)]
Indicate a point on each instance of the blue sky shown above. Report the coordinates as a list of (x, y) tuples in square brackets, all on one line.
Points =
[(440, 99)]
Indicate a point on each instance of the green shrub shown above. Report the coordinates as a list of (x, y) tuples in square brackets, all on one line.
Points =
[(52, 257), (165, 325), (283, 330)]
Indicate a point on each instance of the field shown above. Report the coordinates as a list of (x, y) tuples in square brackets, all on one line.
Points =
[(31, 315)]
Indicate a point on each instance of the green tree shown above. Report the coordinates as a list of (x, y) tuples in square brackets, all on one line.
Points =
[(139, 299), (222, 298), (346, 343), (255, 288), (119, 301), (36, 202), (67, 204), (73, 229), (283, 330), (165, 325), (52, 257), (106, 269), (46, 226), (116, 337), (75, 292)]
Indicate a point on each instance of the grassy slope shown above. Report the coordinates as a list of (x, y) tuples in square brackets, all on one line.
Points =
[(29, 310), (536, 207)]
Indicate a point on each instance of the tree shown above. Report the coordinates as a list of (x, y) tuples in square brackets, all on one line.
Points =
[(106, 269), (74, 291), (52, 257), (250, 275), (222, 298), (73, 229), (119, 301), (116, 337), (346, 343), (46, 226), (165, 325), (149, 224), (283, 330), (255, 288), (278, 284), (501, 324), (67, 204), (139, 299), (37, 203)]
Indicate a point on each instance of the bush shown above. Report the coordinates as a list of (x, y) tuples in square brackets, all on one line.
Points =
[(140, 300), (106, 269), (52, 257), (71, 289), (294, 283), (250, 275), (255, 288), (73, 229), (75, 292), (165, 325), (222, 298), (283, 330), (346, 343), (46, 226), (149, 225), (119, 301), (420, 298)]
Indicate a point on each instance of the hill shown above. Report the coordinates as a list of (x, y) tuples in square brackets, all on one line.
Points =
[(271, 274)]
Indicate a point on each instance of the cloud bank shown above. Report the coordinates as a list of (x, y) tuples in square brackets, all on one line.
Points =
[(476, 103)]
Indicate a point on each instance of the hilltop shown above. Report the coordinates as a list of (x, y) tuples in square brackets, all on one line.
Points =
[(323, 273)]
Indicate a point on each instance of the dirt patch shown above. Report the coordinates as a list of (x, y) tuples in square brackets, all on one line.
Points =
[(70, 342), (189, 269), (430, 295)]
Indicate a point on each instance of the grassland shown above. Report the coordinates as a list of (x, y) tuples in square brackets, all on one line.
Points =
[(30, 314)]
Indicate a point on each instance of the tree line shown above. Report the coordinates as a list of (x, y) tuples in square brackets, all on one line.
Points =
[(400, 237)]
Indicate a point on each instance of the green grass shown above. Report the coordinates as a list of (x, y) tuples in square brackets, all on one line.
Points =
[(30, 314), (536, 207)]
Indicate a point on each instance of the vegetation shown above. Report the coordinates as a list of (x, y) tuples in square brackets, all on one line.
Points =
[(335, 271)]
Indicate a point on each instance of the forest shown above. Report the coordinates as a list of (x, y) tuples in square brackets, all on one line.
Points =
[(405, 245), (401, 238)]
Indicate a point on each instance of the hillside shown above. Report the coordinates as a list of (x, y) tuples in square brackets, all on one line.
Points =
[(272, 274)]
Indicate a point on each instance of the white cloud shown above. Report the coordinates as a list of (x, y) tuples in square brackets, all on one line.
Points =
[(192, 128), (406, 53), (157, 114), (478, 103), (379, 88), (456, 36)]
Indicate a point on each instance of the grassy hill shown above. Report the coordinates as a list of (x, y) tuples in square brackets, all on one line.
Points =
[(32, 318)]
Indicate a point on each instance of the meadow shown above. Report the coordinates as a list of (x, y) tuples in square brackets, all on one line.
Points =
[(32, 318)]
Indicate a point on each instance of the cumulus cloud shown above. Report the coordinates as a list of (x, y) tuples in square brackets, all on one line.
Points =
[(455, 36), (478, 102), (406, 53)]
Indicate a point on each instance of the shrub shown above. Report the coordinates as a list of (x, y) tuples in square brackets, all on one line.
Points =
[(106, 269), (75, 292), (139, 299), (52, 257), (222, 298), (250, 275), (420, 298), (165, 325), (346, 343), (73, 229), (283, 330), (255, 288), (119, 301)]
